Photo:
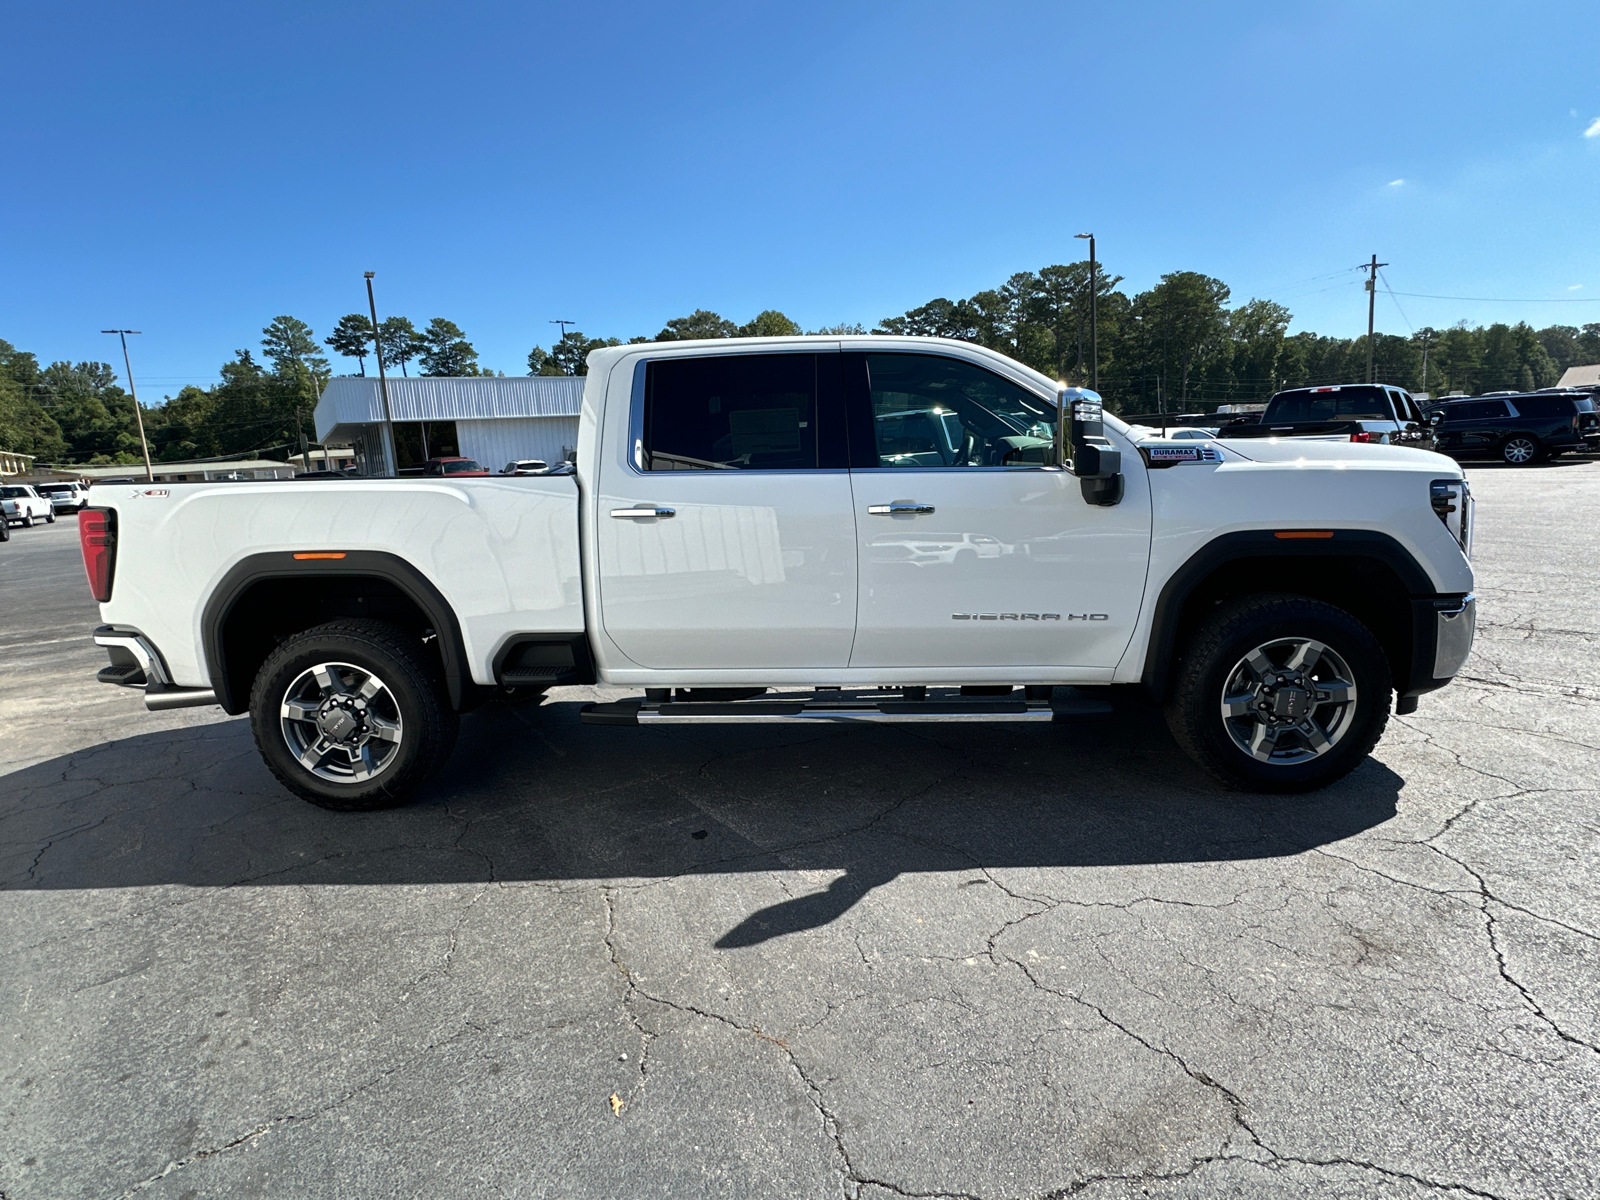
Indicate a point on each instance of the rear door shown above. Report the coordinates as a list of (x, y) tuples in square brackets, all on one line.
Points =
[(974, 553), (725, 534)]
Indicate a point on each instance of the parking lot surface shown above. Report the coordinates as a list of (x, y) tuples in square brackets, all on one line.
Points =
[(950, 961)]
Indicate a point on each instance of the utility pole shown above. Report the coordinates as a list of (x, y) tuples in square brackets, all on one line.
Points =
[(1372, 300), (563, 325), (1094, 317), (383, 384), (1426, 339), (300, 436), (138, 413)]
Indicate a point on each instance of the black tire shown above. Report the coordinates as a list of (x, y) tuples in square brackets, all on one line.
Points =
[(1520, 450), (5, 530), (425, 723), (50, 516), (1218, 649), (27, 519)]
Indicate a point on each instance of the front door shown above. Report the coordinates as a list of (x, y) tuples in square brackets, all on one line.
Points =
[(973, 552), (726, 537)]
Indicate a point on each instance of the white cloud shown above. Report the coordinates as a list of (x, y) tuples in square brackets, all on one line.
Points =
[(1398, 182), (1574, 287), (1594, 129)]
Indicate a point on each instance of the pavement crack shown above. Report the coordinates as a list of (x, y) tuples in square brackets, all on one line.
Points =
[(265, 1127)]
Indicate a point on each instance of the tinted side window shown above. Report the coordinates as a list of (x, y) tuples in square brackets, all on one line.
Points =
[(729, 413), (932, 411), (1543, 407), (1475, 410)]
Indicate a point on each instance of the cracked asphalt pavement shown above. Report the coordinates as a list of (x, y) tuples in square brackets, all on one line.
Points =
[(1006, 963)]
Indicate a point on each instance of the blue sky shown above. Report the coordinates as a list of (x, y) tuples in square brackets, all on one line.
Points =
[(194, 170)]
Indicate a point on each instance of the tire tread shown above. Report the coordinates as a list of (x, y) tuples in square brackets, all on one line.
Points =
[(1188, 709), (436, 739)]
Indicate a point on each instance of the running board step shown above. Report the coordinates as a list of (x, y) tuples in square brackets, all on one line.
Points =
[(1071, 707)]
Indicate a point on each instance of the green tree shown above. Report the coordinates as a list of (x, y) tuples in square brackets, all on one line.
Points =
[(956, 319), (1257, 330), (292, 347), (400, 342), (846, 329), (769, 323), (701, 323), (1180, 328), (446, 351), (570, 355), (352, 337), (25, 425)]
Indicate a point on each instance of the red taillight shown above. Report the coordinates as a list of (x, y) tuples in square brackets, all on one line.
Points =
[(1362, 437), (97, 534)]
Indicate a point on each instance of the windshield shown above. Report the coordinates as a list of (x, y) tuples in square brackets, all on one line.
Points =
[(1329, 404), (12, 492), (456, 468), (54, 489)]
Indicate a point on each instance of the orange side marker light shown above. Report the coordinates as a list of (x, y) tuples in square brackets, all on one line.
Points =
[(330, 554), (1288, 533)]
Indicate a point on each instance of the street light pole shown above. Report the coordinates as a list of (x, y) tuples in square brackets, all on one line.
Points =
[(1094, 317), (383, 384), (138, 413)]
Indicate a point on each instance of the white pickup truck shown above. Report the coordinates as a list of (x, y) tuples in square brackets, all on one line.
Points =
[(802, 530), (22, 505)]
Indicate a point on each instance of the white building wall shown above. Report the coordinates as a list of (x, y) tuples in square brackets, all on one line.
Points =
[(497, 442)]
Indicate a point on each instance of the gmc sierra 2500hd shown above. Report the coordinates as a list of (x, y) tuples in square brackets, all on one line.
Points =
[(880, 528)]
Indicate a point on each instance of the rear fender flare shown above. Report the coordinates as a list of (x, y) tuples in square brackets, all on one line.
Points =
[(233, 694)]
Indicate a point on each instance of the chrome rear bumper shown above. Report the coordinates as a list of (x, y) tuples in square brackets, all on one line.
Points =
[(130, 648)]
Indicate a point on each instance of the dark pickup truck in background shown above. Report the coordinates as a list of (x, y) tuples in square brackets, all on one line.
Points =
[(1356, 412), (1518, 429)]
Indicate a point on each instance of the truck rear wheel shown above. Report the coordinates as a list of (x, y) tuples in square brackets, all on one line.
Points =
[(1280, 693), (349, 716)]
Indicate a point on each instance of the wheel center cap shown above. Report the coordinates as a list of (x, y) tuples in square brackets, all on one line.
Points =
[(337, 723), (1291, 703)]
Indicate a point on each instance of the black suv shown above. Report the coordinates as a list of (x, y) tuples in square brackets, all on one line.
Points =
[(1518, 429)]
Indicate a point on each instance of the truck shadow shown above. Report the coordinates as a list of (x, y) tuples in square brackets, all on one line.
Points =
[(531, 794)]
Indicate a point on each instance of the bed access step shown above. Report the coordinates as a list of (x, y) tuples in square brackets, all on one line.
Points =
[(884, 704)]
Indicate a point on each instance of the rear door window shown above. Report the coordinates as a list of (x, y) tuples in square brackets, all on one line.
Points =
[(1475, 410), (1544, 407), (736, 412)]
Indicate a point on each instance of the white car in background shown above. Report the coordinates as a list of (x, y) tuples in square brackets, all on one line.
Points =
[(23, 506), (68, 496)]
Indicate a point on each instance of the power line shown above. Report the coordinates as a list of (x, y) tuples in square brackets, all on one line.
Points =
[(1505, 299)]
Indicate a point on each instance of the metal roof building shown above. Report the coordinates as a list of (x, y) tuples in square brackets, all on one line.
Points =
[(491, 419)]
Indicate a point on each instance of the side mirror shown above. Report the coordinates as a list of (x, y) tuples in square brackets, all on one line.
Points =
[(1436, 416), (1080, 433)]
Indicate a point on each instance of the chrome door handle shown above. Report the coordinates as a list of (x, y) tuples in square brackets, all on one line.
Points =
[(649, 510), (898, 507)]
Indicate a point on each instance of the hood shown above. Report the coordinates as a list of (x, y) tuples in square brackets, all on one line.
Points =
[(1308, 450)]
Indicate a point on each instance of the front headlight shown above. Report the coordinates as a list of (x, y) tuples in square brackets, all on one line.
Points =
[(1452, 501)]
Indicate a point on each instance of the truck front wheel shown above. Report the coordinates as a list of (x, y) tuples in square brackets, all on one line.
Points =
[(1280, 693), (349, 716)]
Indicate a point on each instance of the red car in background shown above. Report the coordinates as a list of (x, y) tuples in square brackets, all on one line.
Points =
[(453, 466)]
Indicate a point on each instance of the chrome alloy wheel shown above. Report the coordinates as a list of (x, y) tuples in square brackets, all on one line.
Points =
[(1520, 451), (1288, 701), (341, 722)]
